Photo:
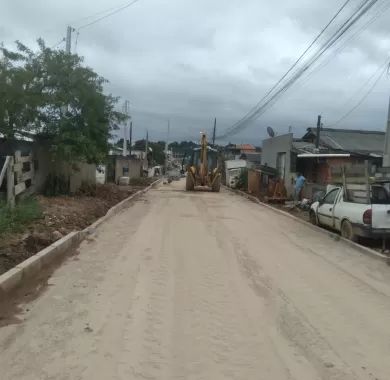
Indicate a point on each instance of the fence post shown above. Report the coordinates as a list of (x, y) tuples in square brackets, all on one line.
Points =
[(11, 183)]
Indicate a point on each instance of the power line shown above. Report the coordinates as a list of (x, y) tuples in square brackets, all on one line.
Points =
[(58, 43), (107, 15), (304, 53), (364, 97), (380, 12), (265, 103), (259, 109), (377, 15), (97, 14)]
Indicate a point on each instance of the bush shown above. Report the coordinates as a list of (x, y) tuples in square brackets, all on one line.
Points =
[(242, 182), (15, 219)]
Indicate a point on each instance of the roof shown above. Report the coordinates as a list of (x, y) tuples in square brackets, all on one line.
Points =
[(302, 147), (329, 155), (349, 140), (252, 156), (265, 169), (245, 147)]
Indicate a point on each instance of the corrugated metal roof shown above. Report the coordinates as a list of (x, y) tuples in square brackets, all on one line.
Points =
[(351, 140), (311, 155), (306, 147)]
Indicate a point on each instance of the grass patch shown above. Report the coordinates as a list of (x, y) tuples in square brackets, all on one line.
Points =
[(17, 218)]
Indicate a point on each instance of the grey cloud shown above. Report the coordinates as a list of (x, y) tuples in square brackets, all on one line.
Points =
[(196, 59)]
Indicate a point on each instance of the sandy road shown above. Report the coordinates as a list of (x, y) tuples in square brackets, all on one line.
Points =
[(204, 286)]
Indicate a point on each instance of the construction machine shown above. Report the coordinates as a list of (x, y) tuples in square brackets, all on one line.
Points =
[(203, 168)]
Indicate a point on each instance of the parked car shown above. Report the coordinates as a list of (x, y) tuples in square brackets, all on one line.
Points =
[(355, 214)]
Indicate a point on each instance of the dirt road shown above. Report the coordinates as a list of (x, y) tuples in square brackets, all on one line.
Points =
[(204, 286)]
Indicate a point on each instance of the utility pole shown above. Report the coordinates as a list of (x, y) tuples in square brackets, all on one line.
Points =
[(214, 130), (386, 151), (126, 112), (166, 150), (318, 132), (69, 32), (167, 142), (147, 147), (131, 136)]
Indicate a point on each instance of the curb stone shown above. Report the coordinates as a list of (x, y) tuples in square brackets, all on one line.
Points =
[(335, 236), (30, 267)]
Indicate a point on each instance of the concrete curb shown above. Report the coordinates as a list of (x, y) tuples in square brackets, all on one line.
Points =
[(360, 248), (30, 267), (118, 208)]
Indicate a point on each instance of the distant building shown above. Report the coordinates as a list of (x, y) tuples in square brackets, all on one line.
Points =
[(237, 151), (246, 148)]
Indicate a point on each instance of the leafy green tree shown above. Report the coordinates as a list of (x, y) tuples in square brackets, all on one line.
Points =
[(157, 155), (52, 96)]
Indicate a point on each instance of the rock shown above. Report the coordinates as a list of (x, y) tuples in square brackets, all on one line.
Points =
[(63, 231), (56, 235), (37, 240)]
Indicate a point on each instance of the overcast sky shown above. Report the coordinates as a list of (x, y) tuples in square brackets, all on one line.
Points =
[(193, 60)]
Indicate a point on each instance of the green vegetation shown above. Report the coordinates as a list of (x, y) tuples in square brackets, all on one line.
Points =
[(242, 182), (183, 147), (15, 219), (157, 155), (52, 97)]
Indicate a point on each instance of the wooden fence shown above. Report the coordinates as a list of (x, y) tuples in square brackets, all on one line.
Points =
[(19, 171)]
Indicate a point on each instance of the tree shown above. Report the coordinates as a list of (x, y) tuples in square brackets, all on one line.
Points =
[(52, 96), (157, 155)]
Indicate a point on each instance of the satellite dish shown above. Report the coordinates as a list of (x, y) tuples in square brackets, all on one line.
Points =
[(270, 132)]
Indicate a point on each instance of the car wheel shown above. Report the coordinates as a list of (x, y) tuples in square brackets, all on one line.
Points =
[(347, 231), (313, 218)]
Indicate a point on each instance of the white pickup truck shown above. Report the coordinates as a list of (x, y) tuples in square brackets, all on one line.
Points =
[(355, 215)]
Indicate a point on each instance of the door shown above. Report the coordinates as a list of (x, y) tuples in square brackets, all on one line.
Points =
[(325, 209), (380, 201)]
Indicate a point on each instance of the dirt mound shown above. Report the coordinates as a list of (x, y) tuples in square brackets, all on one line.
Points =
[(61, 215)]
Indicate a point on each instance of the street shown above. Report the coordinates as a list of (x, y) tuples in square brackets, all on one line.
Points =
[(204, 285)]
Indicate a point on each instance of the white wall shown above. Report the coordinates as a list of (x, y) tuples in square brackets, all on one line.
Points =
[(270, 149)]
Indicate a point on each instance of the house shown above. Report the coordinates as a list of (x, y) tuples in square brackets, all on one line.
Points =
[(369, 143), (336, 148), (121, 166), (36, 158), (237, 151), (233, 170), (246, 148)]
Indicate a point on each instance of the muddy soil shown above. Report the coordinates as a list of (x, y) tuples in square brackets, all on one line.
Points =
[(61, 215)]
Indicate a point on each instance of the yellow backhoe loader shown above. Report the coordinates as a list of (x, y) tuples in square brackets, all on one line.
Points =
[(203, 168)]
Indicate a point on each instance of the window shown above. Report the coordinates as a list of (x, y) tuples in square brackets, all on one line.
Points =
[(331, 197), (379, 195)]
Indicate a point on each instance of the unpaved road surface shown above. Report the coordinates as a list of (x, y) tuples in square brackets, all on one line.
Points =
[(204, 286)]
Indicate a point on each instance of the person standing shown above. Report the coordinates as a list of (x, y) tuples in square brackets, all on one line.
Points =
[(299, 184)]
